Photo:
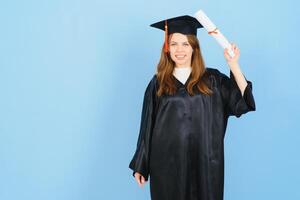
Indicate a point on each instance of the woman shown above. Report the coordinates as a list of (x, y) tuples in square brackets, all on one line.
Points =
[(185, 112)]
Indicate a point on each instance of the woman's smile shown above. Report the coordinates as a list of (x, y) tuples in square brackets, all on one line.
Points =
[(180, 57)]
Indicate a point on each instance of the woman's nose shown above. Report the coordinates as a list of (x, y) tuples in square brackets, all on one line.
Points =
[(179, 48)]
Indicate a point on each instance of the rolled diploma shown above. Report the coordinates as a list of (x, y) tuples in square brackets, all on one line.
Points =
[(212, 29)]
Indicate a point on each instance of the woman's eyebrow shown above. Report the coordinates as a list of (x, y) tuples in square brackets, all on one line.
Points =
[(182, 42)]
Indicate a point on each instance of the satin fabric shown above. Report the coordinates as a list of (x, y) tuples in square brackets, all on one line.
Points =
[(181, 139)]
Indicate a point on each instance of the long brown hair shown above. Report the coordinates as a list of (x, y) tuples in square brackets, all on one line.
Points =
[(166, 65)]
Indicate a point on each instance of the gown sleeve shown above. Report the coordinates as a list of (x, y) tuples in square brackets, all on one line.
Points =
[(140, 160), (235, 103)]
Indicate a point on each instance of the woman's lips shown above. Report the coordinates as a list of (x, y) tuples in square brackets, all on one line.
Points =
[(179, 56)]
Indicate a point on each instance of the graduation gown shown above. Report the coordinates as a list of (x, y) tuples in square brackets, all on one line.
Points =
[(181, 139)]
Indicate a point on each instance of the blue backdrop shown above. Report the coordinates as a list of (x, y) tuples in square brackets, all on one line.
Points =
[(72, 79)]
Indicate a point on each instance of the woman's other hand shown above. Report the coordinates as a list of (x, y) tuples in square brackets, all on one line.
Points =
[(139, 179)]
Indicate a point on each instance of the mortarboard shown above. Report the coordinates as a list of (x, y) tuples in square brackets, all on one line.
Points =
[(183, 24)]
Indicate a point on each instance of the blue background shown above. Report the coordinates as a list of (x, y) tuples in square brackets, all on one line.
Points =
[(72, 79)]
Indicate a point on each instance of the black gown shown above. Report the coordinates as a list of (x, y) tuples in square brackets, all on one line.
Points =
[(180, 143)]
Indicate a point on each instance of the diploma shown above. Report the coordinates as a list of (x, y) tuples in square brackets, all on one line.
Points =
[(213, 31)]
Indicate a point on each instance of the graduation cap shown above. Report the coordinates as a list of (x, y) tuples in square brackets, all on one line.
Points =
[(183, 24)]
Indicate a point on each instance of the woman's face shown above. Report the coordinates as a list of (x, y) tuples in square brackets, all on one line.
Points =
[(180, 50)]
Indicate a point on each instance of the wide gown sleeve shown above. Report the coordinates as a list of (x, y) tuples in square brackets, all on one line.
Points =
[(140, 160), (235, 103)]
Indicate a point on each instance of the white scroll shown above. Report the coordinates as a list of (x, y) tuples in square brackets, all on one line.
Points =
[(213, 31)]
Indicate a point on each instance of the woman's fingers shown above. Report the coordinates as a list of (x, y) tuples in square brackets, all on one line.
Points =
[(236, 51), (143, 180), (226, 54), (139, 179), (234, 48)]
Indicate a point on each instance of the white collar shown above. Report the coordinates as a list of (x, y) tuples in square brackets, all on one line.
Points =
[(182, 73)]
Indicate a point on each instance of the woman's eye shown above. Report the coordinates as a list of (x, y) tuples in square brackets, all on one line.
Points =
[(173, 44), (186, 44)]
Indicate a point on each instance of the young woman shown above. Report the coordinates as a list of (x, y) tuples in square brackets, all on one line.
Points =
[(185, 112)]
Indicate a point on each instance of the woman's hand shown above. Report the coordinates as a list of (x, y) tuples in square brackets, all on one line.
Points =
[(236, 51), (139, 179)]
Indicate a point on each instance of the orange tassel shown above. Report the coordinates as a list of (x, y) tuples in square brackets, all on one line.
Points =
[(166, 47)]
